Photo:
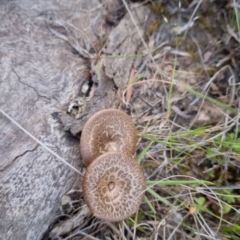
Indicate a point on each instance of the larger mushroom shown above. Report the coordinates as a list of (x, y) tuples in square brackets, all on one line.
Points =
[(113, 186), (107, 131)]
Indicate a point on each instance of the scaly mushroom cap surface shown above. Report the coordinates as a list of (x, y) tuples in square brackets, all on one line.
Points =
[(113, 186), (106, 131)]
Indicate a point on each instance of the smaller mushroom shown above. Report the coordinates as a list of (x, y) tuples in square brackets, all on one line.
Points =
[(113, 186), (106, 131)]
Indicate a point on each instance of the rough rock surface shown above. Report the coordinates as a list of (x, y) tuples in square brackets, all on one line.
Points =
[(44, 70)]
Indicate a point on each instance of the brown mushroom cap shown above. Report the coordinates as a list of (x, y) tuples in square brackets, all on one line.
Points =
[(106, 131), (113, 186)]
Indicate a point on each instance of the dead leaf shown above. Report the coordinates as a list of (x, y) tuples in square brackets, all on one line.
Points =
[(207, 56)]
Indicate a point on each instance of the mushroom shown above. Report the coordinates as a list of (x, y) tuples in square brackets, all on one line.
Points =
[(106, 131), (113, 186)]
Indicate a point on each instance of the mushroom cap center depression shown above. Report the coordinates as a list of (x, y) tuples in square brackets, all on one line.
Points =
[(108, 141), (111, 188)]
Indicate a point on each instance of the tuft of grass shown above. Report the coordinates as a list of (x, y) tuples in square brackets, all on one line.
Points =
[(206, 197)]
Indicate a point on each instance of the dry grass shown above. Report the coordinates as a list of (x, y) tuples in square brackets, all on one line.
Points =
[(192, 159)]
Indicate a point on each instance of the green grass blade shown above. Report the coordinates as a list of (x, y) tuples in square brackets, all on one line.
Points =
[(149, 204), (157, 196), (178, 182), (143, 152), (217, 103)]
